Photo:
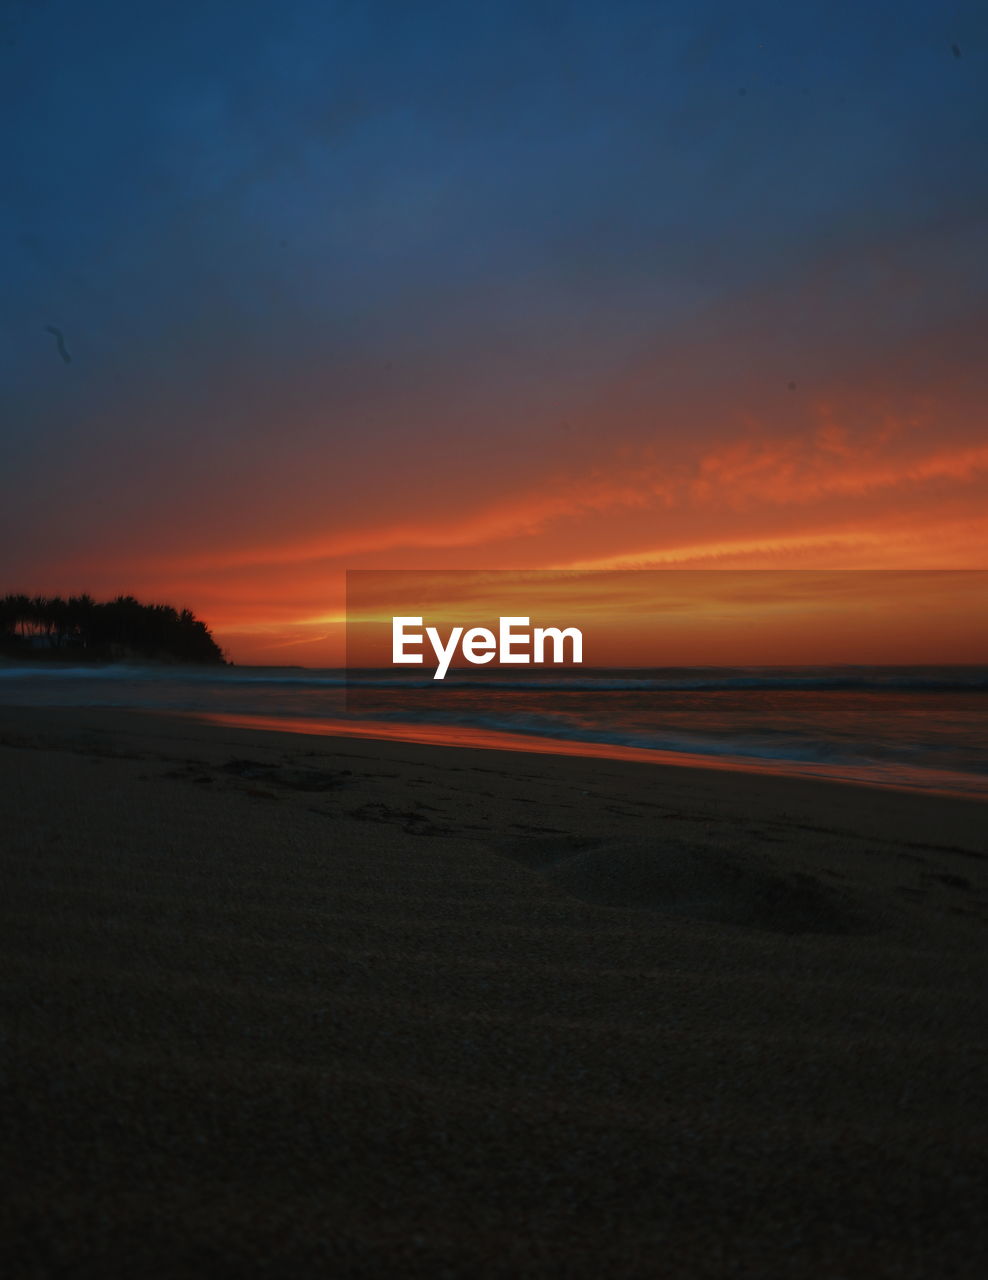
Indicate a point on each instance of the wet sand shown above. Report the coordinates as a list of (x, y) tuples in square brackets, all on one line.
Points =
[(304, 1006)]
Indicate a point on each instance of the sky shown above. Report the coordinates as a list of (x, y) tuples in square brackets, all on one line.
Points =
[(300, 288)]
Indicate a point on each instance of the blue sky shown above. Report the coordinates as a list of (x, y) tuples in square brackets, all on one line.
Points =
[(275, 235)]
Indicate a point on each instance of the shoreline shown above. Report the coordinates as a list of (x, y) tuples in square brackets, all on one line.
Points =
[(451, 737), (883, 748), (937, 818)]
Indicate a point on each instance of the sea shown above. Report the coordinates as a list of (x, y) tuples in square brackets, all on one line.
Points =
[(919, 728)]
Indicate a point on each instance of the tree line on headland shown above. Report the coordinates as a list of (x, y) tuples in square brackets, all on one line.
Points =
[(114, 631)]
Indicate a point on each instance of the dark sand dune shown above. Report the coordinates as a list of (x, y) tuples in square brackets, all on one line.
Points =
[(309, 1007), (698, 881)]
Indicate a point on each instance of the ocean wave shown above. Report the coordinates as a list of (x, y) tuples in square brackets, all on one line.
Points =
[(713, 684), (669, 680), (766, 745)]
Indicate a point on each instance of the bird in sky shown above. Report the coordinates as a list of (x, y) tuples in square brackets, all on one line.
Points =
[(60, 343)]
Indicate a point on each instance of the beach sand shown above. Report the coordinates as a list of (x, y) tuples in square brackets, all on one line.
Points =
[(306, 1006)]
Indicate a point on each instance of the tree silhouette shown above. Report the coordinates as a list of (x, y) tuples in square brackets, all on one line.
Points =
[(117, 630)]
